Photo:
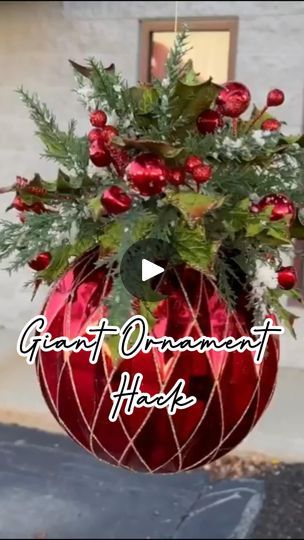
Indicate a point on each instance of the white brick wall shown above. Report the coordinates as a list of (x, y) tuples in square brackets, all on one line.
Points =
[(37, 38)]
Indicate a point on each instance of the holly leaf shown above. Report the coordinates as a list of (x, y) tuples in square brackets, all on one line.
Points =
[(161, 148), (194, 205), (285, 316), (144, 98), (111, 238), (192, 98), (193, 249), (86, 71)]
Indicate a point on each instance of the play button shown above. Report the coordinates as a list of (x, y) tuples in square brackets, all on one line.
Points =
[(150, 270), (143, 268)]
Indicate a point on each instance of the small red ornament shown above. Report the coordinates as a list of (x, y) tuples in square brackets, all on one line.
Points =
[(271, 124), (148, 174), (192, 162), (233, 99), (108, 133), (209, 121), (99, 155), (94, 134), (282, 207), (21, 206), (287, 277), (275, 98), (98, 119), (176, 176), (41, 262), (115, 200), (202, 173)]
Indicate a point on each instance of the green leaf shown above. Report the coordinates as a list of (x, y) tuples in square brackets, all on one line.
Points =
[(194, 205), (285, 316), (193, 98), (144, 98), (146, 309), (95, 208), (111, 237), (161, 148), (193, 249)]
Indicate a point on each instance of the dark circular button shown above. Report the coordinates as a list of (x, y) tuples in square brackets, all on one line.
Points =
[(144, 266)]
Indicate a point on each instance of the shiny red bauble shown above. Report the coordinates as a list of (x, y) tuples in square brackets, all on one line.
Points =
[(209, 121), (233, 99), (94, 134), (148, 174), (41, 262), (231, 390), (176, 176), (98, 119), (271, 124), (282, 207), (115, 200), (202, 173), (287, 277), (99, 155), (192, 162), (275, 98), (108, 133)]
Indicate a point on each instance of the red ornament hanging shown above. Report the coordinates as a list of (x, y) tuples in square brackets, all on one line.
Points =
[(176, 176), (41, 262), (209, 121), (271, 124), (202, 173), (282, 207), (233, 99), (115, 200), (287, 277), (275, 98), (99, 155), (98, 119), (231, 390), (148, 174)]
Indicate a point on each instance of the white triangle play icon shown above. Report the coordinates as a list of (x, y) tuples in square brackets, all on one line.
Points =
[(149, 269)]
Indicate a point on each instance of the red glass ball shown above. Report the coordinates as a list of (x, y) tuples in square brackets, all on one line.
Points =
[(148, 174), (41, 262), (287, 277), (271, 124), (176, 176), (275, 98), (98, 119), (233, 99), (115, 200), (192, 162), (99, 155), (282, 206), (94, 134), (231, 390), (209, 121), (202, 173)]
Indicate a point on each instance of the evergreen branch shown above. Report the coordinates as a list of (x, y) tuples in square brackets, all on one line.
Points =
[(176, 55)]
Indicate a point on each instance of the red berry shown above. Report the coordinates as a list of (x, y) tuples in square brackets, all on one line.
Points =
[(282, 206), (115, 200), (233, 99), (287, 277), (192, 162), (275, 98), (19, 204), (176, 176), (94, 134), (209, 121), (202, 173), (98, 119), (41, 262), (108, 133), (99, 155), (271, 124), (148, 174)]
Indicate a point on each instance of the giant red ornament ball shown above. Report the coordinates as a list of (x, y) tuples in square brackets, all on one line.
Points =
[(275, 98), (41, 262), (287, 277), (148, 174), (209, 121), (231, 390), (115, 200), (233, 99)]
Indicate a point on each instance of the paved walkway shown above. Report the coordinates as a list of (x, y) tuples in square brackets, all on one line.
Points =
[(50, 488)]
